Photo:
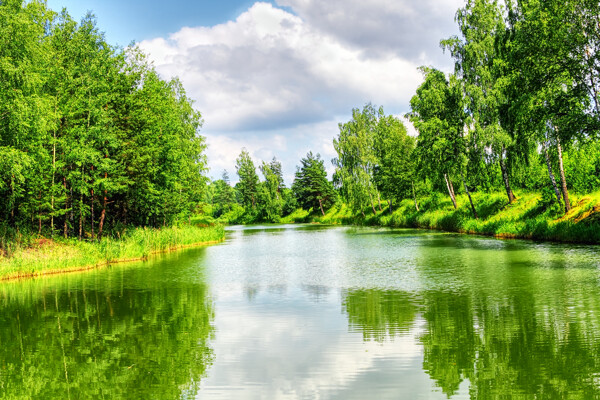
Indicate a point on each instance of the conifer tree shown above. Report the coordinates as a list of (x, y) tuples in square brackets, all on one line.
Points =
[(248, 182), (311, 187)]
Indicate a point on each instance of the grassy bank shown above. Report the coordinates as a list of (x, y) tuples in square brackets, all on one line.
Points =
[(530, 217), (26, 257)]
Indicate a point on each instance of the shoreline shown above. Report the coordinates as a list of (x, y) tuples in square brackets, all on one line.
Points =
[(527, 218), (50, 272), (524, 219), (501, 236), (78, 255)]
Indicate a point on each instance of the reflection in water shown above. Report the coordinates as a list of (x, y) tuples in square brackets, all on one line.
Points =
[(379, 314), (78, 343), (449, 340), (510, 319), (317, 293), (314, 312), (511, 347)]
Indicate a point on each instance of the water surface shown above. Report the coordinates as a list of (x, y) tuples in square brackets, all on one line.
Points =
[(312, 312)]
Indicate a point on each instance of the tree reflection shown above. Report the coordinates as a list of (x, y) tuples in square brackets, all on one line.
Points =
[(91, 344), (523, 345), (538, 338), (379, 314), (450, 341)]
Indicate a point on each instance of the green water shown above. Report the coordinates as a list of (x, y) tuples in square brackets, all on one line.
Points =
[(305, 312)]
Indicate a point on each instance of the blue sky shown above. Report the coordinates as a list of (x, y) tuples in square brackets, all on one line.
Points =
[(276, 77), (127, 20)]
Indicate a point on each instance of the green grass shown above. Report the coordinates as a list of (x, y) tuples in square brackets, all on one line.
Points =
[(529, 217), (338, 214), (234, 216), (35, 256), (298, 216)]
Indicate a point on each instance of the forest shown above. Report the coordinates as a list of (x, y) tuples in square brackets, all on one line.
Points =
[(519, 113), (92, 139)]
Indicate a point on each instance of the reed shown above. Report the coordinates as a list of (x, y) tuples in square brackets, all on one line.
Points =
[(30, 256)]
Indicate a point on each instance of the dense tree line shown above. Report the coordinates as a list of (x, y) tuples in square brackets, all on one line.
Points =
[(91, 138), (374, 159), (268, 200), (520, 111)]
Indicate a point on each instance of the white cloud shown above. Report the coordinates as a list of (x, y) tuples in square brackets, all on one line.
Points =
[(273, 78), (337, 364), (410, 30), (270, 69)]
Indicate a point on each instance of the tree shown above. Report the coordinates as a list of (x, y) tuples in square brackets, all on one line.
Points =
[(394, 172), (311, 187), (356, 160), (248, 182), (480, 68), (94, 137), (438, 115), (272, 200), (548, 51), (24, 110), (224, 195)]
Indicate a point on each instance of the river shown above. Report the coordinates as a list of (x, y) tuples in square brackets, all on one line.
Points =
[(313, 312)]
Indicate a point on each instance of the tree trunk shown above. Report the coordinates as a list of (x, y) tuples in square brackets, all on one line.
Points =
[(65, 229), (390, 204), (92, 192), (462, 177), (40, 215), (80, 216), (415, 194), (549, 165), (103, 214), (504, 170), (372, 204), (93, 237), (451, 187), (450, 190), (81, 206), (71, 212), (52, 187), (593, 85), (321, 206), (563, 180), (12, 196), (379, 200)]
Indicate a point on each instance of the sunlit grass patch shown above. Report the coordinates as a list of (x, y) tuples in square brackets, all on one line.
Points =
[(338, 214), (297, 216), (527, 217), (40, 256)]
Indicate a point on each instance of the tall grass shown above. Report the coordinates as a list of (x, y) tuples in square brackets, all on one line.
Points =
[(35, 256), (529, 217)]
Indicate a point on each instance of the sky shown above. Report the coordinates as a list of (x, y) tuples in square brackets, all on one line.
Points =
[(277, 77)]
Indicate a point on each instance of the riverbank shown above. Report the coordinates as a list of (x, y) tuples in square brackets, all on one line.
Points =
[(528, 217), (42, 256)]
